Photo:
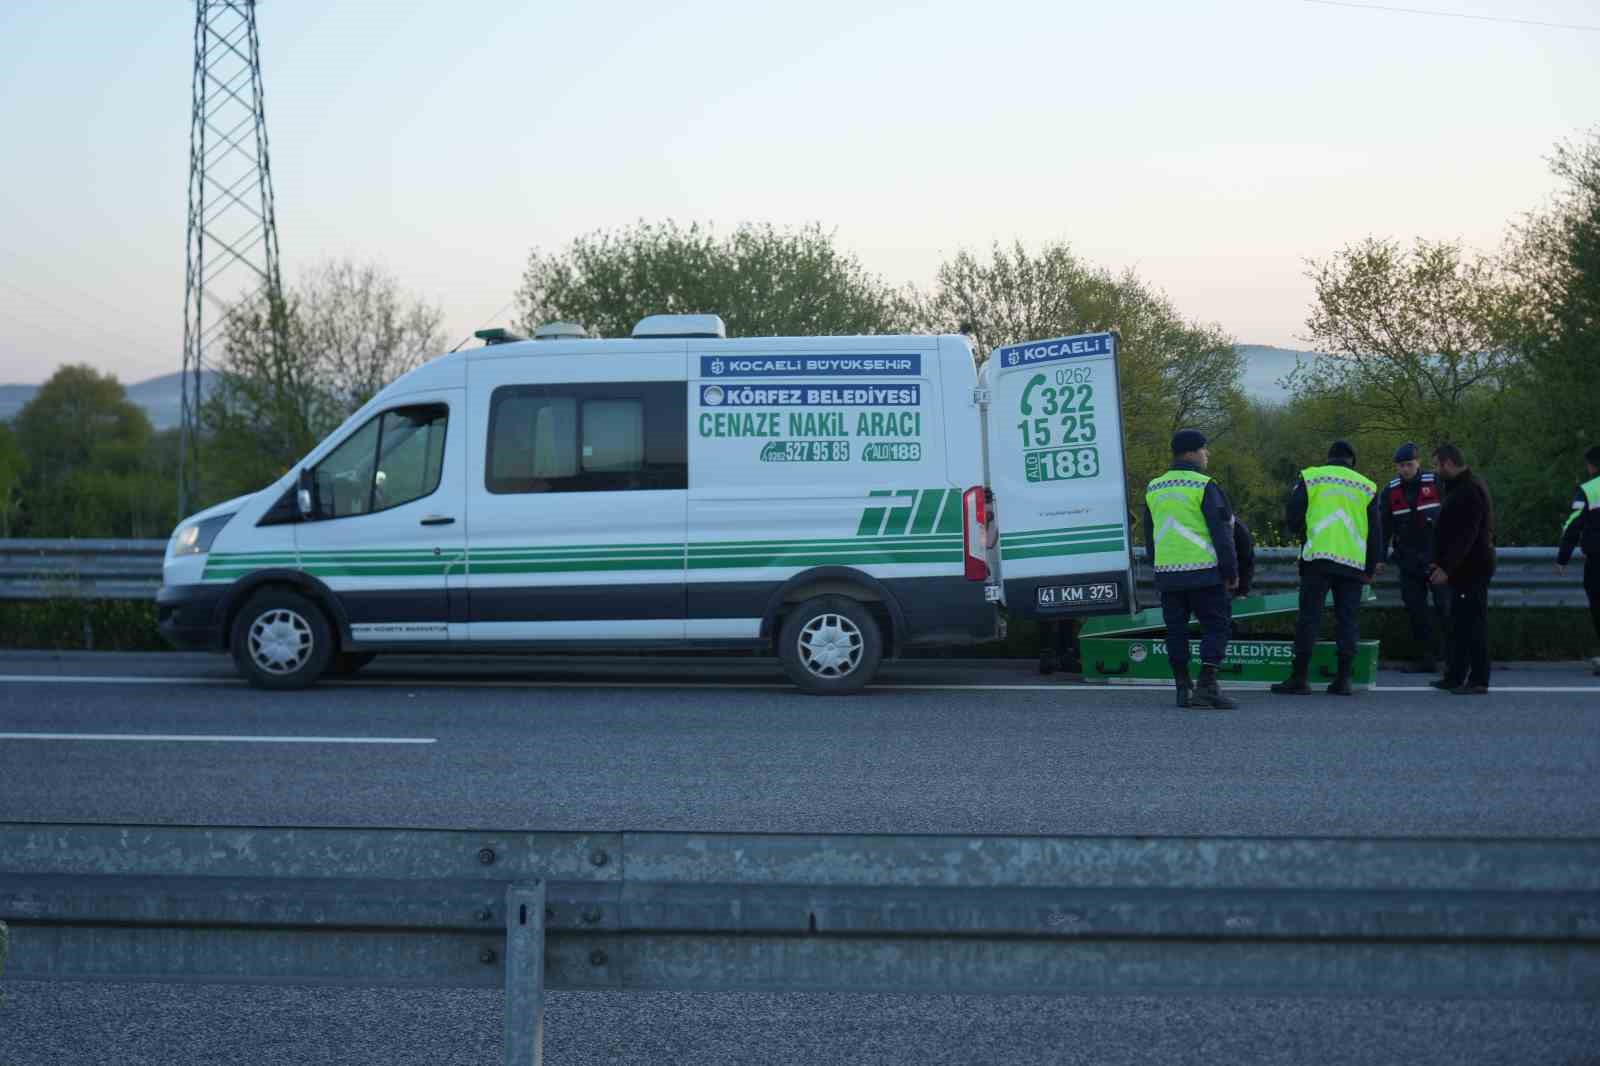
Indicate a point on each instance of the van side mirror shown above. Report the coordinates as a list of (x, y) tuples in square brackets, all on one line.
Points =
[(303, 498)]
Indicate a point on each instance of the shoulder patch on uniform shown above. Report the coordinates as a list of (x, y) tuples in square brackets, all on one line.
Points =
[(1393, 483), (1427, 477)]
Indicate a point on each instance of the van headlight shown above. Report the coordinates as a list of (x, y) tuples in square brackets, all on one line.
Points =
[(195, 538)]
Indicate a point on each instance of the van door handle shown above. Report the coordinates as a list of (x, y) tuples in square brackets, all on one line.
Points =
[(437, 520)]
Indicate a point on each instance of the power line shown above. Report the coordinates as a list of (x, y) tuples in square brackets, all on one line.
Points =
[(1454, 15)]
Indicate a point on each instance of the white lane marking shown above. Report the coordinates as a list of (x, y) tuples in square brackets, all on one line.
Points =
[(91, 679), (1493, 688), (217, 738), (445, 682)]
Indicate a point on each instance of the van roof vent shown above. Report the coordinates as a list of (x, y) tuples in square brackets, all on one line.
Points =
[(560, 331), (654, 326)]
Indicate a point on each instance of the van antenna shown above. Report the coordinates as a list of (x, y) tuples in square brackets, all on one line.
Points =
[(486, 322)]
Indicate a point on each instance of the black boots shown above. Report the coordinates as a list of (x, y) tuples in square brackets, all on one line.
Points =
[(1341, 680), (1295, 683), (1185, 686), (1208, 694)]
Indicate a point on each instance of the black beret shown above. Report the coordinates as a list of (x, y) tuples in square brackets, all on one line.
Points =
[(1187, 440), (1593, 455), (1405, 453), (1341, 449)]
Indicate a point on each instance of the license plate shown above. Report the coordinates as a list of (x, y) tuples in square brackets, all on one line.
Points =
[(1094, 592)]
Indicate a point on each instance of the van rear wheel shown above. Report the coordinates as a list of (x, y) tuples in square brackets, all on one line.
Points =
[(281, 640), (830, 646)]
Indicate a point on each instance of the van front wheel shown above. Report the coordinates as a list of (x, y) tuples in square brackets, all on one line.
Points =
[(830, 646), (281, 640)]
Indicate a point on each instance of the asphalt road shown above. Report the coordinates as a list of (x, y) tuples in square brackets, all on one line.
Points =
[(724, 745)]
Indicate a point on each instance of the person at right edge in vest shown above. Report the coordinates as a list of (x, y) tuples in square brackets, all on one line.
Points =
[(1334, 509), (1188, 533), (1410, 506), (1582, 530)]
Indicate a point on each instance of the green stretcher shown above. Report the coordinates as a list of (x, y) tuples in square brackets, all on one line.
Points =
[(1133, 648)]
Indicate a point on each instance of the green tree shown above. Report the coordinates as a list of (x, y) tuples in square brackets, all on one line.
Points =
[(1175, 373), (1413, 332), (350, 330), (13, 465), (762, 280), (1549, 417), (89, 462)]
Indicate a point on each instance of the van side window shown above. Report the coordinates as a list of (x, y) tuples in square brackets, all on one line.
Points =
[(609, 437), (394, 458), (613, 435)]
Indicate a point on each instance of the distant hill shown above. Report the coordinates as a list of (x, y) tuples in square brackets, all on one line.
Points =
[(1264, 367), (161, 398)]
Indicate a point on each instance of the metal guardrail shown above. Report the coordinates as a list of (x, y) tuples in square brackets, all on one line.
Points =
[(711, 912), (1524, 577), (131, 569), (80, 569)]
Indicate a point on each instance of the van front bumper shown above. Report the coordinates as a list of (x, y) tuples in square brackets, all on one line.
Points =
[(189, 616)]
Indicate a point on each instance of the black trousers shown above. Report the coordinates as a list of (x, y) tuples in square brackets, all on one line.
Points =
[(1314, 587), (1591, 588), (1058, 640), (1416, 593), (1469, 634), (1213, 607)]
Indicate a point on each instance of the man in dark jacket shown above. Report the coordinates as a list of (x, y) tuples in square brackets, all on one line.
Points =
[(1463, 558), (1188, 536), (1582, 531), (1409, 506), (1334, 511)]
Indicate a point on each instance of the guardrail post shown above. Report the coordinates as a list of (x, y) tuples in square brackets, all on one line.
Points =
[(525, 974)]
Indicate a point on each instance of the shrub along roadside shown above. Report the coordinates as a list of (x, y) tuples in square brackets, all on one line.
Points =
[(1514, 634), (77, 625)]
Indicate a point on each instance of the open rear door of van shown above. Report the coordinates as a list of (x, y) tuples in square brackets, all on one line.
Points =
[(1055, 465)]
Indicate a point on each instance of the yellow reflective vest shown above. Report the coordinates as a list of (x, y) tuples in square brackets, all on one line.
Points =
[(1591, 498), (1337, 499), (1182, 538)]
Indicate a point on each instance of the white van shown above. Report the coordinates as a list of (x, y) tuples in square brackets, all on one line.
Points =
[(819, 498)]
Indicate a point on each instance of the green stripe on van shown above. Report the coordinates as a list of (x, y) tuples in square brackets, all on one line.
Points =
[(612, 558), (1064, 531), (872, 542), (573, 566), (872, 517), (801, 559), (927, 510), (1085, 547), (900, 517)]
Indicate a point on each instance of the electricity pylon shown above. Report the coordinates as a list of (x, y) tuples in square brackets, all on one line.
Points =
[(232, 222)]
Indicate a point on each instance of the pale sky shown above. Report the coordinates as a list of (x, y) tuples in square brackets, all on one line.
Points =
[(1212, 145)]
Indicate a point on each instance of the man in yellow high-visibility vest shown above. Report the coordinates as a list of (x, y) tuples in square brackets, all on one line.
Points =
[(1334, 510), (1188, 536)]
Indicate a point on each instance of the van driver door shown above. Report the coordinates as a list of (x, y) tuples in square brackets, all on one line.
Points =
[(387, 532)]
